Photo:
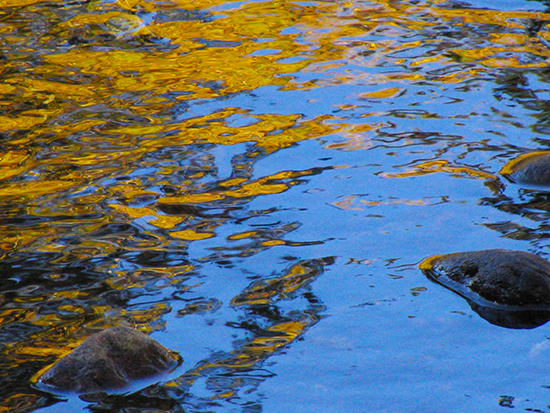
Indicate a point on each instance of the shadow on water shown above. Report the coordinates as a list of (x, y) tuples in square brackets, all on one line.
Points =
[(511, 318), (533, 205)]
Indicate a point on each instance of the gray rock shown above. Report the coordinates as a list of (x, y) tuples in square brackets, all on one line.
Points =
[(507, 288), (531, 168), (110, 359)]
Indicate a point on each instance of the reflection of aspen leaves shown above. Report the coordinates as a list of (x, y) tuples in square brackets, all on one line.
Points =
[(156, 219), (267, 291), (11, 163), (20, 122), (201, 306), (21, 3), (35, 189), (440, 166), (283, 334), (384, 93), (191, 235)]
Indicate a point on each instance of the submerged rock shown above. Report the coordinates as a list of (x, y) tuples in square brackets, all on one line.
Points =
[(507, 288), (531, 168), (110, 359)]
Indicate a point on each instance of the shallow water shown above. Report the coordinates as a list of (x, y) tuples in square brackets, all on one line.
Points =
[(254, 184)]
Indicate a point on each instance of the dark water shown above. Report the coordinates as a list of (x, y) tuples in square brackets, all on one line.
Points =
[(254, 183)]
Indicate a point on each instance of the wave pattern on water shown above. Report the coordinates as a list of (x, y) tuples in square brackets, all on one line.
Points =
[(253, 182)]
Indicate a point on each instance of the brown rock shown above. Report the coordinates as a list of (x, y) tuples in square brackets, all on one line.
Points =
[(110, 359)]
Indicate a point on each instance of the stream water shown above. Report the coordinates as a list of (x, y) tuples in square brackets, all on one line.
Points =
[(254, 183)]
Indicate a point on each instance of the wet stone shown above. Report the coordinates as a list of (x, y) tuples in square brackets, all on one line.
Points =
[(507, 288), (531, 168), (110, 359)]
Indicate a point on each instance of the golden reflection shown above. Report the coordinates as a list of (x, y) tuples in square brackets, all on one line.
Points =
[(130, 191), (151, 278), (274, 242), (235, 67), (191, 235), (383, 93), (285, 333), (262, 186), (159, 221), (21, 402), (13, 163), (440, 166), (146, 316), (20, 122), (32, 190), (263, 292), (112, 19), (22, 3)]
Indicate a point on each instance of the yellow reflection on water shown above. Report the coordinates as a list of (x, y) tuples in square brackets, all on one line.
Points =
[(265, 291), (440, 166)]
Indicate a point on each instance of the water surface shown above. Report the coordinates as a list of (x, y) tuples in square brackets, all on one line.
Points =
[(254, 183)]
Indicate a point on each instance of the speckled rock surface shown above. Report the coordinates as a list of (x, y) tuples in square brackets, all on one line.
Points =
[(531, 168), (508, 288), (110, 359)]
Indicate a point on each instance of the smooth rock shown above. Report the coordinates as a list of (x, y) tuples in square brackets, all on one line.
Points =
[(507, 288), (531, 168), (110, 359)]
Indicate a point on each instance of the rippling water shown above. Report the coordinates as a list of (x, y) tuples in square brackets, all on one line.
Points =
[(254, 183)]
